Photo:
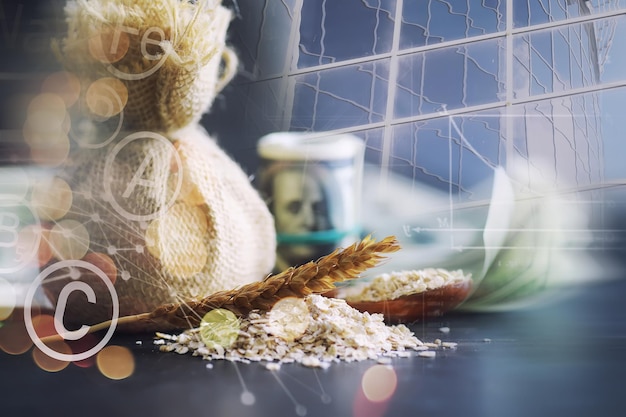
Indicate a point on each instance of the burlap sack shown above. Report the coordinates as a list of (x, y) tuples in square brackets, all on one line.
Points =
[(161, 210), (209, 233), (168, 54)]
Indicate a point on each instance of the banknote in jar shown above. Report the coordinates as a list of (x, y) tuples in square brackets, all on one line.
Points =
[(312, 186)]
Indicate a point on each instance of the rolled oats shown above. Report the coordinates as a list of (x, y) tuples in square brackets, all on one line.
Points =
[(272, 366), (335, 332), (389, 286)]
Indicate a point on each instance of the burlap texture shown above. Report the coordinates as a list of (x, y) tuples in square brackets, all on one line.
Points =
[(169, 85), (170, 217), (214, 234)]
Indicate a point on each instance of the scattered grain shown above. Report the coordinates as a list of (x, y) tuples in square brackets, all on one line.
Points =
[(336, 332)]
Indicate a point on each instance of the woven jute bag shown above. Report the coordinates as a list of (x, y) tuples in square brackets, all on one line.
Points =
[(177, 217), (167, 53)]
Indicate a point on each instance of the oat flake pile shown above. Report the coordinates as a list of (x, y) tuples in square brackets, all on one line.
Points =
[(334, 332)]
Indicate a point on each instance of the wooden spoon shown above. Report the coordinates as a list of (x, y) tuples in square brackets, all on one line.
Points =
[(411, 307)]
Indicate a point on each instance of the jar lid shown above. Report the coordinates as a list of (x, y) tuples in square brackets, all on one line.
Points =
[(297, 146)]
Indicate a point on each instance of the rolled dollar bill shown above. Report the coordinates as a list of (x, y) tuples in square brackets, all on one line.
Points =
[(312, 186)]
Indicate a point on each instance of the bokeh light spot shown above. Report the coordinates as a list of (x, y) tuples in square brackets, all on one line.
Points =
[(51, 200), (53, 152), (106, 97), (219, 327), (180, 234), (69, 239), (116, 362), (48, 363), (41, 137), (189, 192), (48, 104), (32, 244), (247, 398), (47, 122), (109, 45), (301, 410), (14, 338), (64, 84), (104, 263), (289, 318), (196, 214), (44, 253), (83, 345), (152, 239), (7, 299), (379, 383), (43, 324)]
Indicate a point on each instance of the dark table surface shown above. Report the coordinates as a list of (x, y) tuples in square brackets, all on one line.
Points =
[(564, 358)]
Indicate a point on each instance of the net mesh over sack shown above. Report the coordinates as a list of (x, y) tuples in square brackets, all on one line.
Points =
[(168, 53), (160, 211)]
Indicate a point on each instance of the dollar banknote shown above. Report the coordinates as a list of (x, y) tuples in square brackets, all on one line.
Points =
[(312, 186)]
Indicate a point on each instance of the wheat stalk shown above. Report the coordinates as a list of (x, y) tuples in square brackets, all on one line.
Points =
[(313, 277)]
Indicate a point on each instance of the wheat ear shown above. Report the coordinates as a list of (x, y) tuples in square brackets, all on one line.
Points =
[(313, 277)]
